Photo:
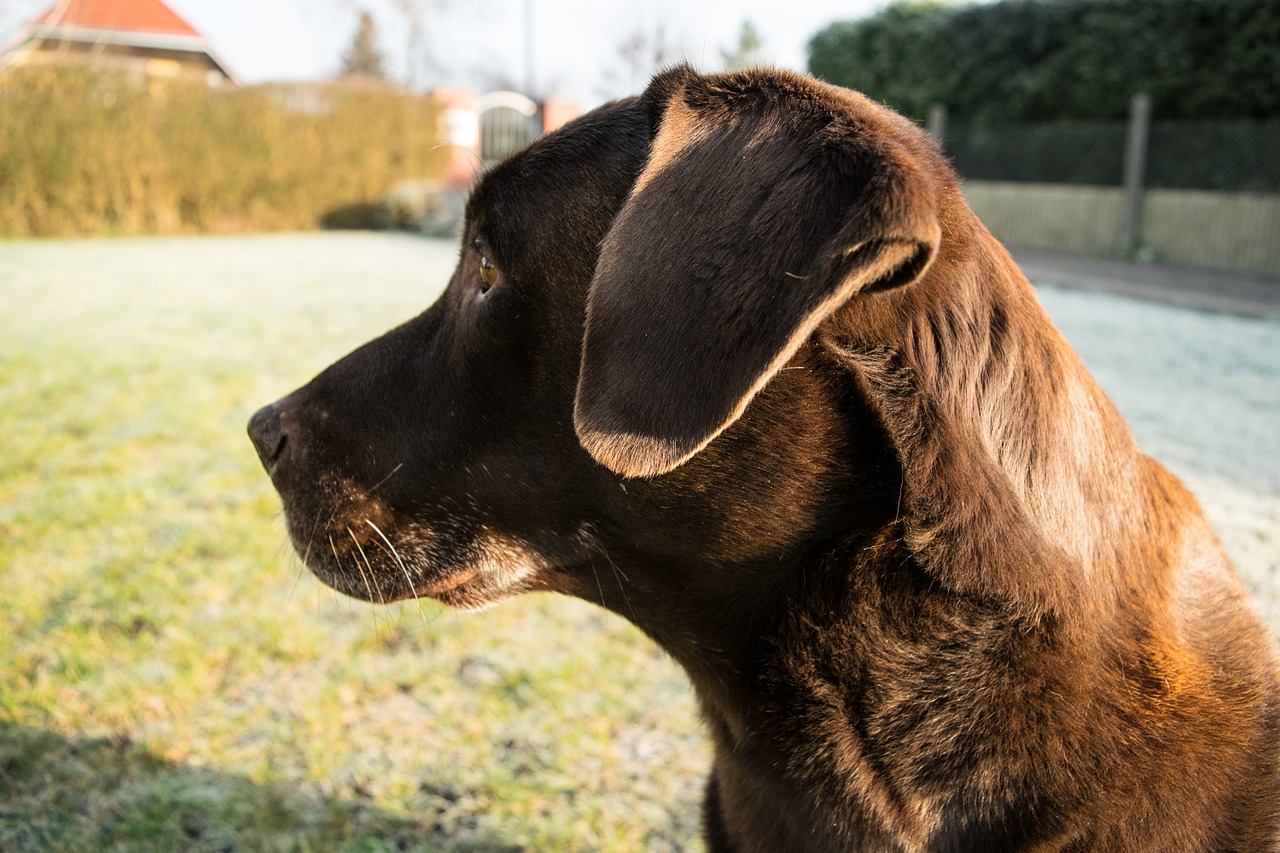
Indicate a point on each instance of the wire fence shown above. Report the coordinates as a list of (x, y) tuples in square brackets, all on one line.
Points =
[(1231, 156), (1191, 193), (1228, 156), (1052, 153)]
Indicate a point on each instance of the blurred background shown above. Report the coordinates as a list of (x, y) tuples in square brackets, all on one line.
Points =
[(138, 100), (205, 202), (1143, 130)]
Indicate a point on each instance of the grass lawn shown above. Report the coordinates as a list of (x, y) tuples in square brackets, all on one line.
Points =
[(170, 678)]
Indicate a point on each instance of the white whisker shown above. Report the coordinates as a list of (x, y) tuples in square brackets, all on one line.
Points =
[(312, 538), (592, 563), (371, 576), (396, 556), (388, 477), (619, 577), (297, 576)]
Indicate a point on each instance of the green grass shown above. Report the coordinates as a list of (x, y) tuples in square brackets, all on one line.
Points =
[(169, 676)]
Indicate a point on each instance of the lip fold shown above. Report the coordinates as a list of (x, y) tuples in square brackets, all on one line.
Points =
[(449, 582)]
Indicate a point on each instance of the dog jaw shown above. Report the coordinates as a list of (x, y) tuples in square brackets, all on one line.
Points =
[(354, 542)]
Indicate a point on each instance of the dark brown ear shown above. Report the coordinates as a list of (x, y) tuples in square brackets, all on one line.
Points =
[(766, 203)]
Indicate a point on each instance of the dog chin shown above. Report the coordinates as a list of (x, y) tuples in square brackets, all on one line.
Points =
[(473, 574), (493, 577)]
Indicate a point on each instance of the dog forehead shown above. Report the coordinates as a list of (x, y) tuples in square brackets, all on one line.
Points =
[(570, 166)]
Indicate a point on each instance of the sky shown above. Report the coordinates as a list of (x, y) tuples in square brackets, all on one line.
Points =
[(482, 43)]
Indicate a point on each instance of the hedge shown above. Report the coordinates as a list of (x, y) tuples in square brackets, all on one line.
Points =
[(1048, 60), (86, 152)]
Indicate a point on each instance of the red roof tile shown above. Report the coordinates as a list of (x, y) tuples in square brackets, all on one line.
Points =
[(151, 16)]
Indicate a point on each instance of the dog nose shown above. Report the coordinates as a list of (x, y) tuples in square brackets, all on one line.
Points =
[(267, 435)]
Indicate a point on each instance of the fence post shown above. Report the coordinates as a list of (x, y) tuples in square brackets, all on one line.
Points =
[(1135, 167), (936, 123)]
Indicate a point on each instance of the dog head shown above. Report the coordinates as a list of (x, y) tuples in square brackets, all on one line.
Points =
[(626, 357)]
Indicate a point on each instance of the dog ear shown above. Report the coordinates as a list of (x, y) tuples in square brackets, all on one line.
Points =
[(766, 203)]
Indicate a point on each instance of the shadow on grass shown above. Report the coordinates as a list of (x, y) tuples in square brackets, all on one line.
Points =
[(81, 794)]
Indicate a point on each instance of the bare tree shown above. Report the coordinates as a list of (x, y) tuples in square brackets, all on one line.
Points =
[(422, 62), (417, 54), (641, 53), (747, 51)]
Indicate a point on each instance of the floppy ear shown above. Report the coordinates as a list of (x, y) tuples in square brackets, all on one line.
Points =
[(765, 204)]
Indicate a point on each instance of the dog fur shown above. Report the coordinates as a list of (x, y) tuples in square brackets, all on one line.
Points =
[(746, 342)]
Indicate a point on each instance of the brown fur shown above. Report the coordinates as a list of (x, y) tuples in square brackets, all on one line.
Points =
[(750, 348)]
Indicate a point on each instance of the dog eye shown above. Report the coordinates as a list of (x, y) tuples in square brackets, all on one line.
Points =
[(488, 273)]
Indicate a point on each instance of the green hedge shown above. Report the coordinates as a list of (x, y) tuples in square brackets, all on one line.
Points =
[(84, 152), (1047, 60)]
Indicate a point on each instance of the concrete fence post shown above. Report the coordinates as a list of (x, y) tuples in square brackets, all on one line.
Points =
[(936, 123), (1135, 167)]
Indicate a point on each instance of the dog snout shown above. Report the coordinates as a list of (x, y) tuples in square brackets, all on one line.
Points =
[(268, 435)]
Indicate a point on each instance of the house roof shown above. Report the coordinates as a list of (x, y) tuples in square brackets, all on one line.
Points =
[(134, 23), (148, 16)]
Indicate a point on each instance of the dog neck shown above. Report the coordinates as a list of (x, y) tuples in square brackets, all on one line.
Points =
[(1006, 443)]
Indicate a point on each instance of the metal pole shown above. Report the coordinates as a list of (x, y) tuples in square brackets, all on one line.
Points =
[(936, 123), (1135, 167), (528, 48)]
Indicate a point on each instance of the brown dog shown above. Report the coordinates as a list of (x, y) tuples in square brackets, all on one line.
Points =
[(742, 338)]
